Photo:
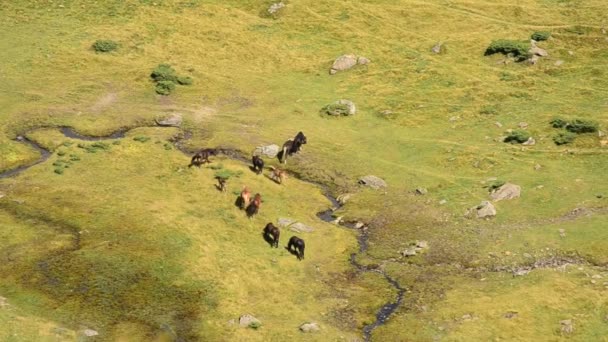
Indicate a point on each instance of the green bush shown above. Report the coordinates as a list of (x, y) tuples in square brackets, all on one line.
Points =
[(579, 126), (141, 138), (335, 109), (164, 72), (184, 80), (558, 123), (165, 87), (518, 136), (516, 48), (102, 46), (540, 35), (564, 138)]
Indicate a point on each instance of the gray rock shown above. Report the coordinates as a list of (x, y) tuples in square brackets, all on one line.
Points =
[(443, 201), (269, 151), (498, 124), (483, 210), (537, 167), (409, 251), (511, 314), (342, 199), (522, 125), (340, 108), (350, 105), (373, 182), (562, 232), (3, 302), (300, 227), (274, 8), (284, 222), (567, 326), (90, 332), (173, 120), (506, 192), (421, 191), (558, 62), (363, 60), (359, 225), (422, 244), (536, 51), (310, 327), (520, 272), (437, 48), (248, 320), (343, 62), (533, 59), (530, 142)]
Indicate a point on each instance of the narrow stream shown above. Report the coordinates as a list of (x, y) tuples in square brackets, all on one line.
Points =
[(381, 316)]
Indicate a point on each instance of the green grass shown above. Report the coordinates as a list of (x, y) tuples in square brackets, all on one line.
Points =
[(258, 81)]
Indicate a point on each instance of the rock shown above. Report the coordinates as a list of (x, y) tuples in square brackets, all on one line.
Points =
[(269, 151), (310, 327), (558, 62), (437, 48), (173, 120), (337, 221), (601, 134), (537, 167), (506, 192), (340, 107), (527, 255), (248, 320), (409, 251), (284, 222), (3, 302), (359, 225), (386, 112), (522, 125), (562, 232), (299, 227), (342, 199), (596, 276), (422, 244), (274, 8), (498, 124), (567, 326), (520, 272), (342, 63), (571, 53), (533, 60), (536, 51), (90, 332), (466, 317), (530, 142), (483, 210), (421, 191), (373, 182), (511, 314), (363, 60), (2, 194), (443, 201), (350, 105)]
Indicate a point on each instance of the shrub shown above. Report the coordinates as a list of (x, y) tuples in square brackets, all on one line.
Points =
[(255, 325), (336, 109), (59, 171), (516, 48), (164, 72), (564, 138), (102, 46), (558, 123), (141, 138), (540, 35), (518, 136), (579, 126), (61, 153), (184, 80), (165, 87), (74, 157), (495, 185)]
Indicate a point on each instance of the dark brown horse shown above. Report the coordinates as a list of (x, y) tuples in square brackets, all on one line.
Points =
[(272, 234), (258, 164), (244, 198), (254, 206), (202, 157), (296, 246), (292, 146)]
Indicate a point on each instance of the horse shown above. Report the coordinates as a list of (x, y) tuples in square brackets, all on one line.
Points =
[(221, 183), (244, 198), (254, 206), (278, 175), (258, 164), (298, 247), (271, 234), (292, 146), (202, 157)]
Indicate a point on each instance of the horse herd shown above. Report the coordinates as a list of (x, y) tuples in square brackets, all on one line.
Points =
[(250, 204)]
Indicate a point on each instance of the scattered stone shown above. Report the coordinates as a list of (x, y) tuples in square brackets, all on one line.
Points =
[(571, 53), (20, 138), (437, 48), (310, 327), (363, 60), (533, 59), (466, 317), (421, 191), (342, 199), (536, 51), (511, 314), (567, 326), (498, 124), (3, 302), (596, 276), (269, 151), (601, 134), (284, 222), (422, 244), (520, 272), (484, 210), (342, 63), (340, 108), (90, 332), (537, 167), (443, 201), (173, 120), (559, 62), (409, 251), (232, 322), (562, 232), (373, 182), (299, 227), (506, 192), (454, 118), (530, 142), (337, 221), (527, 255), (248, 320), (522, 125), (274, 8), (359, 225), (2, 194), (386, 112)]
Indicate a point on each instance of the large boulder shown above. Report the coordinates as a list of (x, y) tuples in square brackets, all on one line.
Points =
[(342, 63), (269, 151), (373, 182), (300, 227), (506, 192), (275, 8), (248, 320), (310, 327), (340, 108), (483, 210), (173, 120)]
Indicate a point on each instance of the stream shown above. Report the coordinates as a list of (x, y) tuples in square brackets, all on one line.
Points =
[(383, 314)]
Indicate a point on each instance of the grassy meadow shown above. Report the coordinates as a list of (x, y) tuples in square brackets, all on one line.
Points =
[(123, 238)]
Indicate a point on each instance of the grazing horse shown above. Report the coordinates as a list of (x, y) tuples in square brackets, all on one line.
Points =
[(258, 164), (221, 183), (292, 146), (202, 157), (278, 175), (244, 198), (254, 206), (298, 247), (271, 234)]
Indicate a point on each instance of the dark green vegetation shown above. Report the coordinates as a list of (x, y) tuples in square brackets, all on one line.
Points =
[(166, 78), (564, 138), (515, 48), (103, 46), (130, 242), (541, 35), (517, 136)]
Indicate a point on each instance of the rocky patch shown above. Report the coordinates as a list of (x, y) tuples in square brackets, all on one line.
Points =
[(346, 62), (373, 182)]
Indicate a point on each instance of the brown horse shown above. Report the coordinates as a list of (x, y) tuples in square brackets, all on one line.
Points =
[(254, 206), (202, 157), (244, 198), (272, 234), (278, 175), (298, 247)]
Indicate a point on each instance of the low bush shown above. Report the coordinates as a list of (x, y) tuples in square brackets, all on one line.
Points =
[(335, 109), (166, 78), (540, 35), (141, 138), (184, 80), (165, 87), (515, 48), (558, 123), (488, 110), (103, 46), (164, 72), (564, 138), (495, 185), (580, 126), (518, 136)]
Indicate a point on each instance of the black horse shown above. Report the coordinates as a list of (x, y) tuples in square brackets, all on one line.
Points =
[(202, 157), (292, 146), (272, 234), (258, 164), (298, 247)]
